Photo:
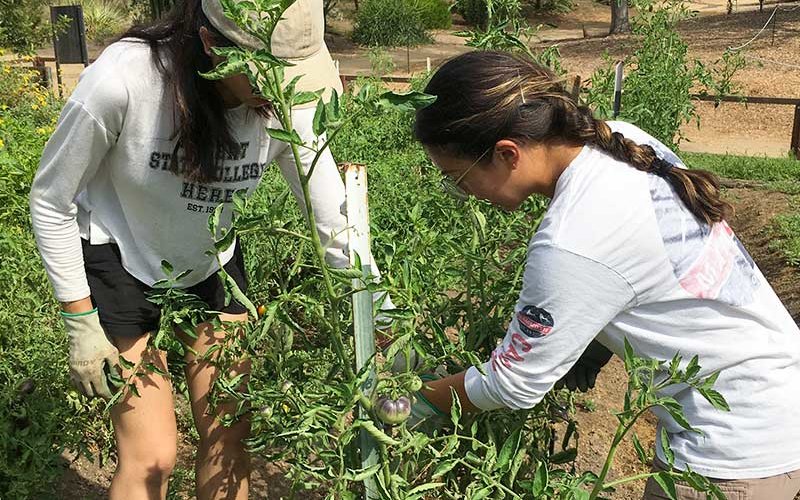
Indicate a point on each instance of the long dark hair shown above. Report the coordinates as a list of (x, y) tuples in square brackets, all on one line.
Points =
[(202, 129), (483, 97)]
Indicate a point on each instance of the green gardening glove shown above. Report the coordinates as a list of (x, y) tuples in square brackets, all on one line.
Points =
[(90, 354)]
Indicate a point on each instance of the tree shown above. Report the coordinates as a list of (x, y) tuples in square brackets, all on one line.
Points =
[(619, 17)]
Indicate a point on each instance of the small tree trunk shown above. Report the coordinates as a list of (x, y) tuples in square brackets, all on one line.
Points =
[(355, 3), (619, 17)]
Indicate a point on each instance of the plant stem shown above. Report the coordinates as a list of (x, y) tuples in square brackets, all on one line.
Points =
[(622, 430), (631, 478), (319, 249)]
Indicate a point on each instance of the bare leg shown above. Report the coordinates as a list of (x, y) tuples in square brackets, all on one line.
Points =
[(223, 465), (144, 427)]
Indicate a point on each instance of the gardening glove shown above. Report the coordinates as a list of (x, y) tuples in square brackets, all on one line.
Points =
[(584, 373), (425, 417), (89, 353)]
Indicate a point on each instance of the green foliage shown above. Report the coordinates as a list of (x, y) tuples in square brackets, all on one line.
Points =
[(380, 61), (479, 13), (435, 14), (505, 29), (757, 168), (39, 415), (551, 6), (660, 76), (24, 25), (786, 228), (390, 23), (474, 12)]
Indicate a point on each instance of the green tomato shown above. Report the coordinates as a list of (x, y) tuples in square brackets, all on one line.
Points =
[(415, 384)]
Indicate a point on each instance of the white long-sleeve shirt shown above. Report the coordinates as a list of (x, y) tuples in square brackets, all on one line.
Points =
[(619, 256), (104, 176)]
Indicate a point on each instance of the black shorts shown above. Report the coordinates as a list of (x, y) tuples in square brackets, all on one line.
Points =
[(121, 301)]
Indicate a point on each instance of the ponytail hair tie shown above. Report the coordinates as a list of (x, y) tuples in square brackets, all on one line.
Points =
[(661, 167)]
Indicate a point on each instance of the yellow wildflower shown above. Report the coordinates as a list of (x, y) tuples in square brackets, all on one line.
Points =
[(34, 107), (2, 144)]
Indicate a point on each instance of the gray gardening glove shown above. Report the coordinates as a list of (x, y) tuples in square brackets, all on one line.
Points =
[(89, 353), (584, 373)]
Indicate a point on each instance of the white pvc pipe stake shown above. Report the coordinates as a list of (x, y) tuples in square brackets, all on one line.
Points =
[(355, 176)]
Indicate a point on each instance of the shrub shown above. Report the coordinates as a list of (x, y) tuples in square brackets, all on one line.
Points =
[(555, 6), (660, 76), (104, 19), (389, 23), (474, 12), (24, 25), (435, 14)]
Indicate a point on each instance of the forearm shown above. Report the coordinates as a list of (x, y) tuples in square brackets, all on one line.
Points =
[(77, 306), (438, 393)]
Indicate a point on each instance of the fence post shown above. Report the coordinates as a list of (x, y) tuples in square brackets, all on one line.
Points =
[(363, 324), (45, 75), (618, 88), (796, 132), (576, 88)]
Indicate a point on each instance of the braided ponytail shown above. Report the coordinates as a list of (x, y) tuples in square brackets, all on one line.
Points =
[(697, 189), (485, 96)]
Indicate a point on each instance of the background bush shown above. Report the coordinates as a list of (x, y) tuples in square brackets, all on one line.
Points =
[(435, 14), (660, 76), (390, 23), (473, 11), (105, 19), (476, 12), (24, 25)]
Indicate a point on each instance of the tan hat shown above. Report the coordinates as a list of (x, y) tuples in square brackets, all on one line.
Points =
[(299, 37)]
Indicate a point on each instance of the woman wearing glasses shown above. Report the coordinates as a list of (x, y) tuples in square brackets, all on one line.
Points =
[(633, 246)]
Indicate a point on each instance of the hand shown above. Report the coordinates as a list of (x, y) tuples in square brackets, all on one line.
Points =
[(424, 415), (90, 352), (583, 374)]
